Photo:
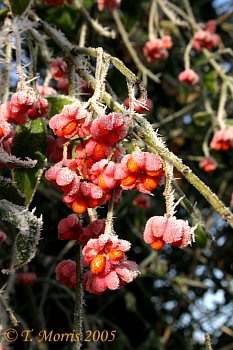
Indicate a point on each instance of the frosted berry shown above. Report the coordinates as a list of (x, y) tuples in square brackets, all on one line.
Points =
[(66, 273), (162, 229), (208, 164), (25, 278), (222, 139), (189, 77), (118, 276), (155, 50), (69, 228), (140, 170)]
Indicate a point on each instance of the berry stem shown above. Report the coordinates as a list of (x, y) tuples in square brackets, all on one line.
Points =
[(169, 191), (6, 79), (152, 16), (71, 75), (133, 53), (109, 219), (78, 308), (187, 55), (221, 106)]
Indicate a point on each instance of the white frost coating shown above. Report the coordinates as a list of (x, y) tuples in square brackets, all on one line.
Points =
[(14, 162), (5, 181), (29, 227), (24, 24)]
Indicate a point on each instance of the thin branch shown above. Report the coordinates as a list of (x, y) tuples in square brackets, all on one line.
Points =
[(78, 309), (95, 24), (221, 106), (208, 342), (169, 12), (175, 115), (7, 309), (6, 81), (133, 53), (152, 15)]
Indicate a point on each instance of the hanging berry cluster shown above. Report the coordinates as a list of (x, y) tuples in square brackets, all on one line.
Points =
[(93, 169), (24, 105), (97, 172)]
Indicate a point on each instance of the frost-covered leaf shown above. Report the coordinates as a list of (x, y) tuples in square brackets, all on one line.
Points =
[(11, 161), (9, 191), (30, 140), (27, 239), (56, 103)]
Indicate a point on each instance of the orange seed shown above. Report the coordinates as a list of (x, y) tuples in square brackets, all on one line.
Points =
[(128, 180), (98, 264), (98, 152), (157, 244), (149, 182), (132, 166), (69, 128), (101, 182), (115, 255), (79, 206)]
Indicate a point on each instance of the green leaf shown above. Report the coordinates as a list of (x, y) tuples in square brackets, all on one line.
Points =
[(88, 4), (27, 239), (19, 6), (30, 140), (210, 82), (201, 118), (9, 191), (65, 18), (200, 238), (56, 103)]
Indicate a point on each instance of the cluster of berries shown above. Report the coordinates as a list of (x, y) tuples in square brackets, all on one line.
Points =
[(206, 38), (23, 105), (105, 256), (222, 140), (208, 164), (88, 180), (103, 252), (156, 49), (163, 229), (202, 39), (189, 77)]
